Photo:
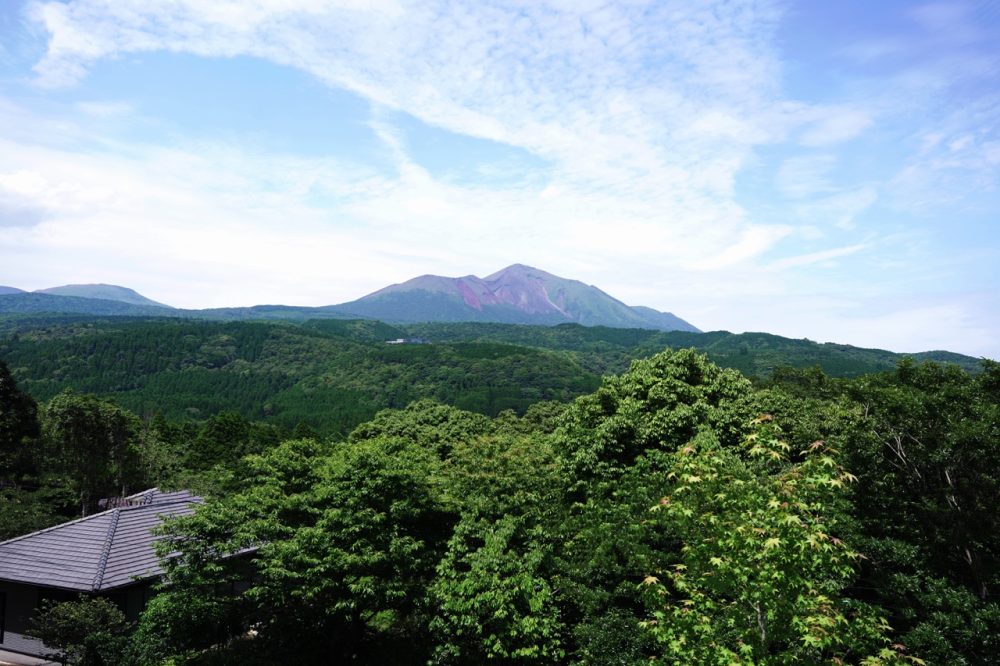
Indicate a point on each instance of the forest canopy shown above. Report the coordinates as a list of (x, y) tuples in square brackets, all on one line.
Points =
[(679, 513)]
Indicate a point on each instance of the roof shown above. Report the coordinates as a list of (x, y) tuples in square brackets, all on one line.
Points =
[(101, 552)]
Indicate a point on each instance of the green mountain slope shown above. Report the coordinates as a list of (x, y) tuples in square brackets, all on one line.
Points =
[(603, 349), (330, 375), (22, 303), (334, 373)]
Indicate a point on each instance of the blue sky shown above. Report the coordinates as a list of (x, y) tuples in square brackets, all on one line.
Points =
[(812, 169)]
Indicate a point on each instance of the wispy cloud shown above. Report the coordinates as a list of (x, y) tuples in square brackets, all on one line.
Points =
[(643, 152), (641, 119), (836, 125), (106, 109), (817, 257)]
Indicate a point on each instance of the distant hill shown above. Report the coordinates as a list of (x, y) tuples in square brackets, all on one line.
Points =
[(604, 350), (10, 290), (334, 374), (329, 374), (107, 292), (33, 302), (517, 294)]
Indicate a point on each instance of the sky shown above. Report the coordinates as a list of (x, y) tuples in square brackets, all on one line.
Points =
[(821, 170)]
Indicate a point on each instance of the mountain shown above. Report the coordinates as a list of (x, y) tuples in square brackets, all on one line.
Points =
[(34, 303), (107, 292), (10, 290), (517, 294)]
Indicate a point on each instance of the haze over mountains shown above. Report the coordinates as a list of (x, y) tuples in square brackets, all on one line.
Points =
[(517, 294)]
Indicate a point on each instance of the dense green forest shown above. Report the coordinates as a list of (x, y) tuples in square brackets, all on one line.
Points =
[(335, 374), (330, 375), (606, 350), (677, 513)]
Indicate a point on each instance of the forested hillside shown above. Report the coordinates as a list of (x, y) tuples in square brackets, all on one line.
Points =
[(603, 350), (676, 515), (334, 374), (329, 375)]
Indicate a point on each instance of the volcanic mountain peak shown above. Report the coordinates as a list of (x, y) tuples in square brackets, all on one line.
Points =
[(515, 294)]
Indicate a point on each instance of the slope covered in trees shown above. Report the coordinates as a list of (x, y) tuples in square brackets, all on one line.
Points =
[(602, 349), (330, 375), (677, 514), (334, 374)]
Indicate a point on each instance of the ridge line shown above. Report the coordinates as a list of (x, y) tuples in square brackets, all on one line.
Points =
[(106, 551)]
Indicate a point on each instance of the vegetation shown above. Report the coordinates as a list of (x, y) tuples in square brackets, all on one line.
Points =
[(84, 632), (677, 513), (328, 374), (610, 350), (336, 374)]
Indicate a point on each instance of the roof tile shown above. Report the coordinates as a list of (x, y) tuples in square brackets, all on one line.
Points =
[(100, 552)]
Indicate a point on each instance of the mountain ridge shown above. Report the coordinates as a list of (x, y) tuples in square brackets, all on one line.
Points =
[(101, 291), (517, 294)]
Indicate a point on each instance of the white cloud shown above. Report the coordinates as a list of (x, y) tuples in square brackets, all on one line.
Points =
[(569, 84), (643, 156), (955, 164), (836, 125), (839, 209), (643, 113), (806, 176), (105, 109), (754, 241), (817, 257)]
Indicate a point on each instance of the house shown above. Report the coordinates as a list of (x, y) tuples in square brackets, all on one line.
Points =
[(109, 554)]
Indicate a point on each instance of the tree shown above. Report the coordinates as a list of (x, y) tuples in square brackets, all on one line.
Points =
[(494, 595), (607, 444), (94, 445), (761, 575), (924, 441), (18, 422), (90, 631), (346, 539)]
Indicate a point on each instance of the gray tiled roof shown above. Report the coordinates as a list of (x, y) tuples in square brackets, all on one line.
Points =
[(97, 553)]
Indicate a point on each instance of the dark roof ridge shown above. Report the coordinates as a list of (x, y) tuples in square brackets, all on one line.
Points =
[(56, 527), (96, 553), (187, 500), (102, 564), (179, 500)]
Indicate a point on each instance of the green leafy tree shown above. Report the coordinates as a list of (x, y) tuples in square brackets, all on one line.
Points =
[(346, 542), (924, 441), (426, 423), (494, 595), (607, 443), (761, 575), (87, 632), (94, 446), (18, 423), (494, 601)]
